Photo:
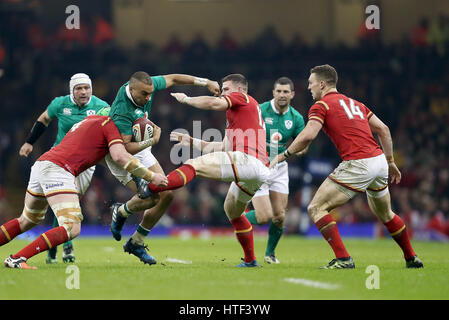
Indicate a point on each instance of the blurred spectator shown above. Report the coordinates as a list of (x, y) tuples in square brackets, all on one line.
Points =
[(197, 50), (420, 34), (174, 47), (103, 33), (439, 34), (227, 46)]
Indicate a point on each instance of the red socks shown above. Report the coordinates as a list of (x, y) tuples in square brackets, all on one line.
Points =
[(9, 231), (244, 234), (176, 179), (398, 232), (329, 230), (45, 241)]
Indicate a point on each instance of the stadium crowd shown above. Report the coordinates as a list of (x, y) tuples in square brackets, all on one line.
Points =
[(405, 84)]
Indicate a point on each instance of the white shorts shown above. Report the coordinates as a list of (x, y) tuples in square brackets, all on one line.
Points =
[(83, 180), (48, 179), (277, 181), (246, 172), (368, 175), (145, 157)]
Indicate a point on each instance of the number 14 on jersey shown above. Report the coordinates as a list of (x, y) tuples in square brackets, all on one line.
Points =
[(352, 110)]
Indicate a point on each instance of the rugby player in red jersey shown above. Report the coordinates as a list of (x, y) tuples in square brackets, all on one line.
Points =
[(241, 157), (52, 182), (365, 167)]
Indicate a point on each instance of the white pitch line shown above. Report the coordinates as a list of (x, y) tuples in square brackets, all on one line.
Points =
[(178, 261), (314, 284)]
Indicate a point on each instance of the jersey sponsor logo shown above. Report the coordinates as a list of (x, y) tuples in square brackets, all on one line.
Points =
[(90, 112), (269, 120), (276, 137), (288, 124), (139, 112), (67, 111)]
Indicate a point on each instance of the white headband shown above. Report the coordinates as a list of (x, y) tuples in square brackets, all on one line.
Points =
[(76, 79)]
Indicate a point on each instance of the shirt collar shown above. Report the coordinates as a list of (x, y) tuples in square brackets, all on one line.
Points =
[(130, 97), (276, 110)]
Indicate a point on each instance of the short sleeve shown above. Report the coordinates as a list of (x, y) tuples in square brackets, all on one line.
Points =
[(299, 124), (111, 132), (53, 107), (237, 99), (159, 83), (124, 124), (367, 111), (318, 112)]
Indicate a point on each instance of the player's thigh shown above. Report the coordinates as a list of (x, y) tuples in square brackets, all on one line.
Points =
[(262, 206), (67, 210), (327, 197), (381, 207), (84, 179), (209, 165), (279, 203), (233, 206)]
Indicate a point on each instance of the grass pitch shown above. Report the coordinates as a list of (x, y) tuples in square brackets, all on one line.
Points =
[(204, 269)]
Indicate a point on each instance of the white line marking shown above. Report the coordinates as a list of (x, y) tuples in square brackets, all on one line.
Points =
[(314, 284), (178, 261)]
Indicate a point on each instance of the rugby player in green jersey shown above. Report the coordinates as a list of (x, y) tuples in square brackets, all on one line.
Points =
[(134, 100), (282, 123), (69, 109)]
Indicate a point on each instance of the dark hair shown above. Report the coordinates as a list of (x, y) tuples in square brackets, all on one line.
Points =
[(142, 77), (283, 81), (236, 78), (326, 73)]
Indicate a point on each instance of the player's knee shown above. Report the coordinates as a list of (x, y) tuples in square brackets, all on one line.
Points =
[(279, 218), (73, 229), (69, 216), (31, 217), (312, 210), (25, 224)]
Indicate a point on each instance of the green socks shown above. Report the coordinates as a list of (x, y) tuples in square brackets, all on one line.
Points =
[(251, 216), (274, 234)]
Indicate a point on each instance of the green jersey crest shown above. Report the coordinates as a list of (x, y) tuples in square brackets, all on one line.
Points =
[(280, 127)]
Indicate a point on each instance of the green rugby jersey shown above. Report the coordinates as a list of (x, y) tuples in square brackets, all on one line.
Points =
[(123, 110), (280, 127), (68, 113)]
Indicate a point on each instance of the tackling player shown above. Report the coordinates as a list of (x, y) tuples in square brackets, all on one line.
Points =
[(69, 109), (53, 182), (134, 100), (241, 157), (282, 123), (365, 167)]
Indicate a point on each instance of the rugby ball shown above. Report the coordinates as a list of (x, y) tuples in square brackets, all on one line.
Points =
[(142, 129)]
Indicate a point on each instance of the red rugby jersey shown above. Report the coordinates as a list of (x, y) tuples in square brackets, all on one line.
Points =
[(84, 145), (245, 127), (345, 121)]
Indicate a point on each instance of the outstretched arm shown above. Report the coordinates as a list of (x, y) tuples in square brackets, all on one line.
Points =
[(184, 79), (203, 102), (301, 142), (202, 145)]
